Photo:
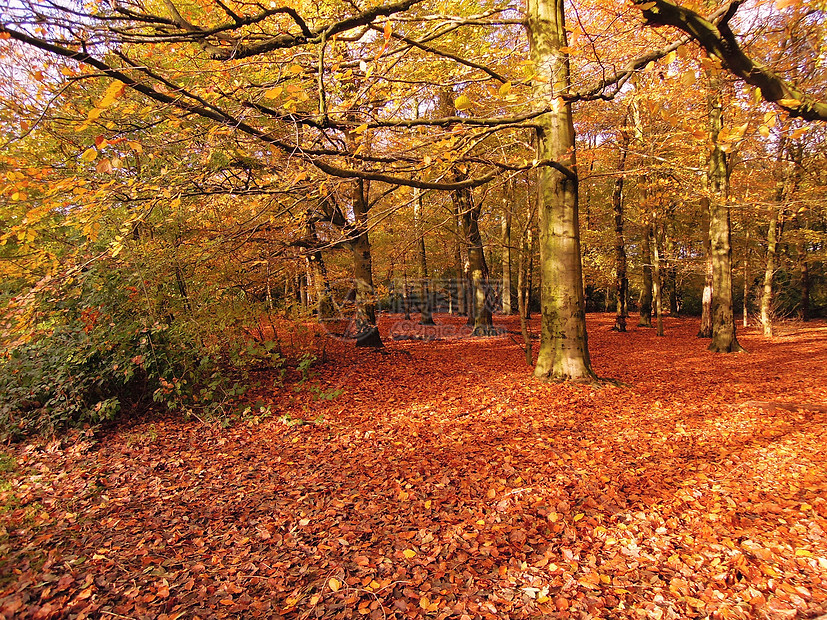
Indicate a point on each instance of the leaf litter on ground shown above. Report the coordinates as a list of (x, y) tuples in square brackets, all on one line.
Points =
[(444, 482)]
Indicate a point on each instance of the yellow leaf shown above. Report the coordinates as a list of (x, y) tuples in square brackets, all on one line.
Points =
[(388, 31), (274, 92), (427, 504), (136, 146), (505, 89), (361, 129), (670, 57), (577, 517), (789, 103), (764, 131), (314, 600), (462, 103), (647, 6), (783, 4), (739, 131), (409, 553), (89, 154), (803, 553), (296, 69), (424, 603), (334, 584), (93, 114), (795, 135)]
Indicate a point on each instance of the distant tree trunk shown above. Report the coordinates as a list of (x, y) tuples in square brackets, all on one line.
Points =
[(805, 284), (425, 310), (670, 275), (621, 279), (522, 294), (506, 239), (406, 297), (773, 234), (367, 334), (524, 272), (720, 232), (657, 281), (769, 271), (468, 214), (531, 239), (706, 299), (564, 351), (804, 267), (318, 276), (646, 292), (462, 301), (745, 317)]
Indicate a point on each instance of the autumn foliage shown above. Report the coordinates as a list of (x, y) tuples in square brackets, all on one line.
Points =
[(444, 482)]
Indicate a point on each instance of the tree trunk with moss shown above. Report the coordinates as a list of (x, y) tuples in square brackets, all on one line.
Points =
[(720, 231), (564, 352)]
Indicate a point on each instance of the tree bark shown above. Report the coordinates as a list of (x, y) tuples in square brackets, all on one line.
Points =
[(478, 303), (720, 231), (646, 293), (657, 279), (745, 317), (318, 274), (769, 271), (469, 213), (564, 352), (506, 239), (425, 311), (621, 279), (705, 330)]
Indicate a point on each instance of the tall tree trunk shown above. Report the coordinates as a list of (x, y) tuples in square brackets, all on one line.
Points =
[(657, 279), (670, 271), (468, 212), (477, 266), (804, 267), (425, 311), (564, 351), (506, 239), (805, 282), (621, 280), (366, 332), (406, 297), (462, 301), (769, 271), (720, 232), (646, 292), (318, 276), (776, 214), (705, 330), (522, 293), (745, 317)]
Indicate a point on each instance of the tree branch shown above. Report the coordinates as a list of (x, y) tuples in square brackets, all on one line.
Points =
[(719, 41)]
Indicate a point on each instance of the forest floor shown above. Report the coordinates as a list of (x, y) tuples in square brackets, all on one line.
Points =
[(445, 482)]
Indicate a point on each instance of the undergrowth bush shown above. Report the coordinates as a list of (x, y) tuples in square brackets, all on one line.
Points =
[(110, 339)]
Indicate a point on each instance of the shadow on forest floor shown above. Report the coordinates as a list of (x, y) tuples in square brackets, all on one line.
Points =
[(445, 482)]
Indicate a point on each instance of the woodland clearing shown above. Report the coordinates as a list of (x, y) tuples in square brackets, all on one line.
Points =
[(444, 482)]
